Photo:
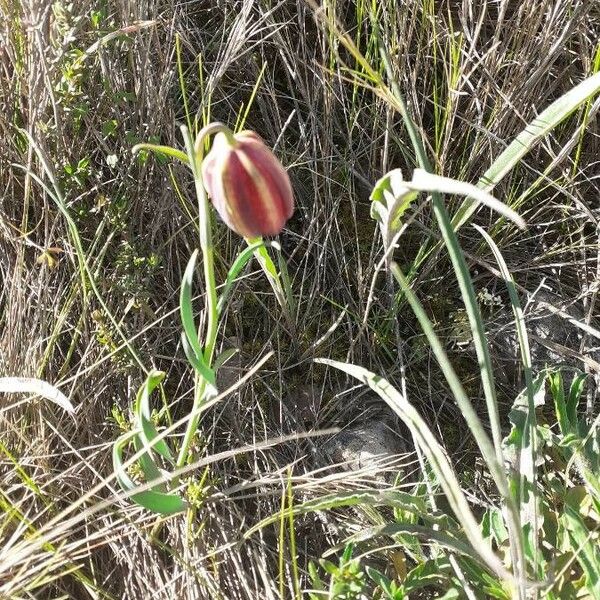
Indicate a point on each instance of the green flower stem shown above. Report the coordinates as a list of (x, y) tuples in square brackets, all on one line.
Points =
[(196, 154)]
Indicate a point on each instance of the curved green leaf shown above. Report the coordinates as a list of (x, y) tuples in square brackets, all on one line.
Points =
[(392, 498), (443, 538), (224, 357), (429, 182), (143, 413), (521, 446), (240, 262), (168, 150), (434, 453), (557, 112), (147, 464), (155, 501), (193, 350)]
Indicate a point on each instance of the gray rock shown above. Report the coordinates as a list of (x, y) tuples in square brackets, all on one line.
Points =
[(367, 448)]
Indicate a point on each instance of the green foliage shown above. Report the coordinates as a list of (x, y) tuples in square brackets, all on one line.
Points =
[(79, 172), (561, 544), (133, 275), (97, 17), (346, 579), (549, 447), (515, 533), (147, 443), (145, 438)]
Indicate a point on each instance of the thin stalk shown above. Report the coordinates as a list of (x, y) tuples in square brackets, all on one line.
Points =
[(204, 387), (494, 460), (195, 154)]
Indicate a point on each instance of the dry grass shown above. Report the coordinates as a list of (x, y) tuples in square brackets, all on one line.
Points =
[(473, 73)]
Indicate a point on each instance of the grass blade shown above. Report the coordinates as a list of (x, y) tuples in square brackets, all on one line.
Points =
[(143, 413), (30, 385), (492, 453), (391, 498), (429, 182), (240, 262), (527, 429), (473, 421), (443, 538), (434, 454), (166, 150), (557, 112)]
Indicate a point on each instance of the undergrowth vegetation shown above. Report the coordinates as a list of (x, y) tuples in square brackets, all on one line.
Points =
[(438, 277)]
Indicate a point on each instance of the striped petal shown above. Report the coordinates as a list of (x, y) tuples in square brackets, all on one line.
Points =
[(248, 186)]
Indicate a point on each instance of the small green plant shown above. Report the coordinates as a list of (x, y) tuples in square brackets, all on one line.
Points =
[(133, 275), (78, 173), (252, 193), (347, 579)]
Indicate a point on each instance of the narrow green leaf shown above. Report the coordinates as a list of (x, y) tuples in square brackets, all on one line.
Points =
[(560, 406), (147, 464), (270, 270), (224, 357), (515, 304), (317, 582), (185, 305), (266, 261), (443, 538), (186, 312), (467, 292), (285, 279), (482, 350), (473, 421), (433, 452), (143, 413), (158, 502), (585, 547), (429, 182), (385, 583), (240, 262), (192, 357), (557, 112), (523, 438), (518, 448), (575, 392), (166, 150), (391, 498)]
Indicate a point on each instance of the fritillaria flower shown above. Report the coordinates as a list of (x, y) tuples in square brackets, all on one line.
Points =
[(248, 186)]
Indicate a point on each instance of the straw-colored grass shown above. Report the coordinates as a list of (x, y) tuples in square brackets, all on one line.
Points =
[(90, 279)]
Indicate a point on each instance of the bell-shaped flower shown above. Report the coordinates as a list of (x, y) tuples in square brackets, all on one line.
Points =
[(248, 186)]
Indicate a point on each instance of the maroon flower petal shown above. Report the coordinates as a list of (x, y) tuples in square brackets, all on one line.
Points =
[(248, 186), (274, 175)]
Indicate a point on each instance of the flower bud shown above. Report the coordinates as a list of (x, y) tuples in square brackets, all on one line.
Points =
[(248, 186)]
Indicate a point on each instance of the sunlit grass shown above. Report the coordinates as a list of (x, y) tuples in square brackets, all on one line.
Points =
[(94, 242)]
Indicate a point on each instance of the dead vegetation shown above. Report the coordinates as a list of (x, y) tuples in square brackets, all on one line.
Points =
[(89, 79)]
